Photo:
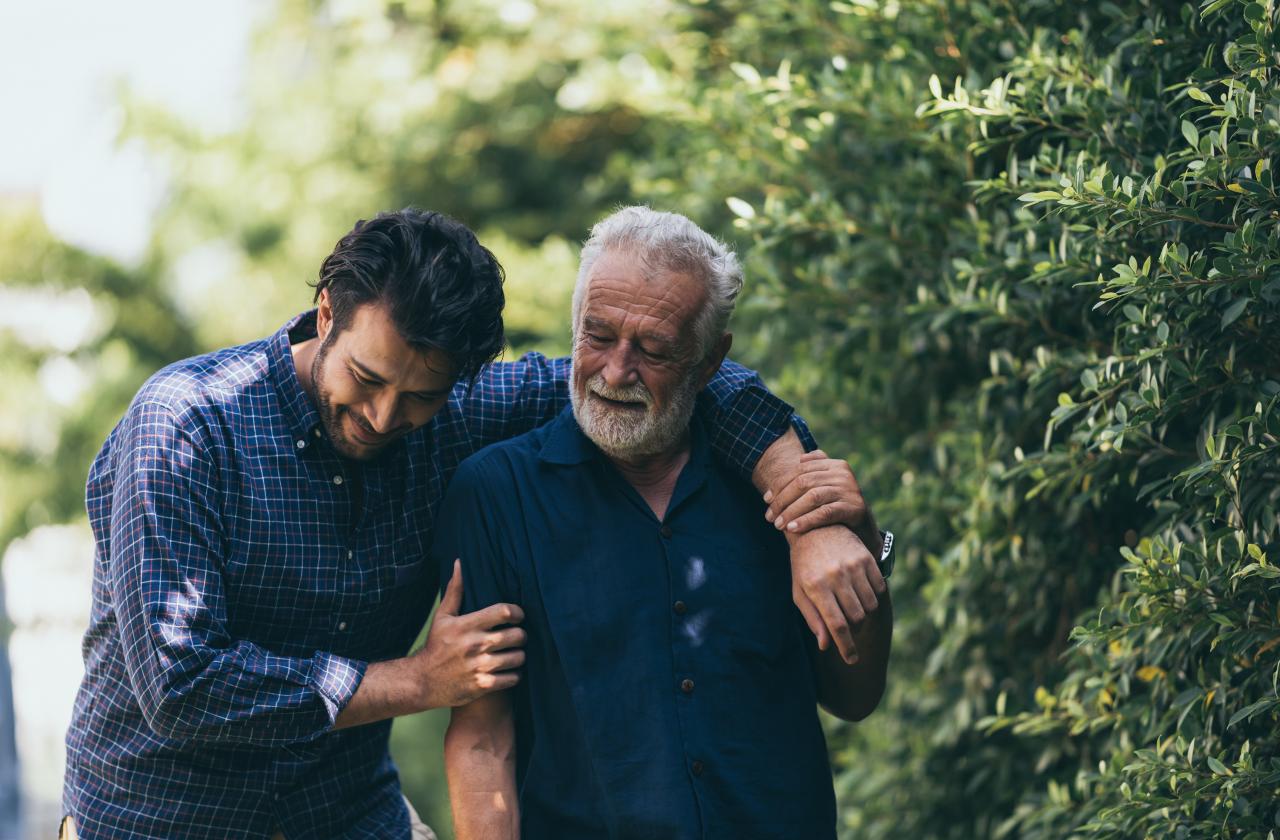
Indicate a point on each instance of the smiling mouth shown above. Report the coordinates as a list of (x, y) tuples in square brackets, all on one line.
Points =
[(622, 404)]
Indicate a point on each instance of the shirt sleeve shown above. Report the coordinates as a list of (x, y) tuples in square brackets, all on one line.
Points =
[(192, 678), (743, 417), (468, 530)]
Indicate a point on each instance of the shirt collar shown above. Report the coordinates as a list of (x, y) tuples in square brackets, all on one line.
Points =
[(299, 412)]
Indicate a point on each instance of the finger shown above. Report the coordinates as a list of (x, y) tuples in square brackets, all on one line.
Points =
[(451, 603), (838, 626), (862, 587), (833, 513), (512, 637), (789, 492), (488, 683), (496, 615), (811, 617), (878, 582), (815, 455), (814, 500), (506, 661)]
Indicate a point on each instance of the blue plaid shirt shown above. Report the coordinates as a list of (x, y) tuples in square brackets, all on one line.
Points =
[(245, 574)]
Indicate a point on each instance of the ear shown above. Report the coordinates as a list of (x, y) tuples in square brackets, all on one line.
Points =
[(324, 315), (715, 358)]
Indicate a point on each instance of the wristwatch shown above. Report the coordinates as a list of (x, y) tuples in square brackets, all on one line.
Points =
[(885, 563)]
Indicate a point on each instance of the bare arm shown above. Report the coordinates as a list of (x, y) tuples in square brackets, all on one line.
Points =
[(815, 500), (851, 692), (480, 764), (464, 657)]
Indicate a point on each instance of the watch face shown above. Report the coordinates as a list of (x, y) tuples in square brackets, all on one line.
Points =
[(886, 555)]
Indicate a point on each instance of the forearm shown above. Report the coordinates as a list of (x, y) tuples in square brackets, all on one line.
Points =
[(389, 689), (480, 763), (852, 692)]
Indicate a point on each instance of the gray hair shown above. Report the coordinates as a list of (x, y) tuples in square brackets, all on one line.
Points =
[(668, 242)]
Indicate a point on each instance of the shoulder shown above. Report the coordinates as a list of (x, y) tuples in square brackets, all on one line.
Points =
[(500, 464), (206, 390)]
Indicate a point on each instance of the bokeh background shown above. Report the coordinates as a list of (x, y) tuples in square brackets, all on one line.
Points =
[(1018, 261)]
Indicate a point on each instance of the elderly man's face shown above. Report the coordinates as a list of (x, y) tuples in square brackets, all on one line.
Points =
[(637, 365)]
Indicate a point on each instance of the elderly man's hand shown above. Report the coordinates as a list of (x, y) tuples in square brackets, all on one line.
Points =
[(836, 583)]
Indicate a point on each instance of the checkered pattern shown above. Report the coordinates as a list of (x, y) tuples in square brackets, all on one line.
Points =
[(245, 574)]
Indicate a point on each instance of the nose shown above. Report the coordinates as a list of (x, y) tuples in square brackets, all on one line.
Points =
[(619, 368), (382, 412)]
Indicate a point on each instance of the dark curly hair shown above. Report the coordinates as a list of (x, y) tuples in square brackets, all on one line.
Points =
[(442, 288)]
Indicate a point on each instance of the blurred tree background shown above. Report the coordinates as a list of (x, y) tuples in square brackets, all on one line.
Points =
[(1018, 261)]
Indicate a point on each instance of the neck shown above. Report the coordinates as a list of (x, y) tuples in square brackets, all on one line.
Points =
[(654, 476), (304, 352)]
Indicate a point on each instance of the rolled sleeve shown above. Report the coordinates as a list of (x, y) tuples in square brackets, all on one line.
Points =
[(745, 418)]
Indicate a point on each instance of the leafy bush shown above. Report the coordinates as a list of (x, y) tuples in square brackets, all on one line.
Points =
[(1038, 305)]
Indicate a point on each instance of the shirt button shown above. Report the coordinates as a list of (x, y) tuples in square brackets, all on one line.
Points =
[(680, 608), (697, 767), (301, 444), (337, 479), (666, 532), (316, 431), (686, 685), (342, 625), (350, 554)]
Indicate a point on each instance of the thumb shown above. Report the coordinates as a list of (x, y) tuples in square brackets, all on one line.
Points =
[(451, 603)]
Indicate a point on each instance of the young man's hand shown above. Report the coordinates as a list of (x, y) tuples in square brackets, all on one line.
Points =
[(467, 656), (823, 491)]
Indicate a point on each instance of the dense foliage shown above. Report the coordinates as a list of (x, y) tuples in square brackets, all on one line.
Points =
[(1018, 261)]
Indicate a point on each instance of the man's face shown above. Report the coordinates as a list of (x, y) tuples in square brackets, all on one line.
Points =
[(637, 366), (372, 388)]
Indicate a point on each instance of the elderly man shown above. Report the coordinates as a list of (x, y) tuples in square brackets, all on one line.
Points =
[(670, 690)]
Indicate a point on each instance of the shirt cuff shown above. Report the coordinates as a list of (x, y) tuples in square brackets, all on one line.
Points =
[(335, 679), (802, 432)]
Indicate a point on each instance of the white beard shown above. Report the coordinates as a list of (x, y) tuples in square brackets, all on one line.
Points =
[(626, 433)]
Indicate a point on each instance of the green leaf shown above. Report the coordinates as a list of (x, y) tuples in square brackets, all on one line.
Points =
[(1043, 195), (1190, 132), (1133, 313), (1232, 312), (1198, 95), (740, 208), (1251, 710), (1162, 332), (1218, 767), (745, 72)]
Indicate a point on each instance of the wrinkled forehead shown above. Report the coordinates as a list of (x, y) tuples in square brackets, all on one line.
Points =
[(623, 289)]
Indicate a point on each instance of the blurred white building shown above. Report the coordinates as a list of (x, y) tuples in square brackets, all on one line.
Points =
[(47, 580)]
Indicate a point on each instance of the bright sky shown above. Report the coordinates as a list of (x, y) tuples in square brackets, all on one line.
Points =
[(61, 62)]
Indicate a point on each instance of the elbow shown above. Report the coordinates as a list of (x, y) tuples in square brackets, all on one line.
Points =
[(164, 713), (855, 706)]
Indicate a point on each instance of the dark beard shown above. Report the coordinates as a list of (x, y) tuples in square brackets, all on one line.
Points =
[(324, 406)]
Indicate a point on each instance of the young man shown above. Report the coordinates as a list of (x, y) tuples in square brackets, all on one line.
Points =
[(262, 516), (670, 690)]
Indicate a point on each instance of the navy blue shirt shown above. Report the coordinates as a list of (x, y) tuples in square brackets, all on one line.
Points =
[(244, 574), (669, 689)]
